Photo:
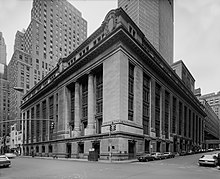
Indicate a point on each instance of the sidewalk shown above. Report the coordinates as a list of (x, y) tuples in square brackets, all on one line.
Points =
[(82, 160)]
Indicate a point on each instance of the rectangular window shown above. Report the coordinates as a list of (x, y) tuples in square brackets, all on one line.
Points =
[(32, 125), (185, 120), (99, 91), (157, 110), (167, 114), (28, 127), (190, 135), (72, 96), (99, 100), (44, 116), (130, 92), (174, 116), (146, 104), (51, 110), (38, 123), (85, 98), (180, 118)]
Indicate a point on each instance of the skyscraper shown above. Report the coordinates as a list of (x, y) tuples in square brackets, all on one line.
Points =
[(55, 30), (155, 19), (2, 50), (4, 87)]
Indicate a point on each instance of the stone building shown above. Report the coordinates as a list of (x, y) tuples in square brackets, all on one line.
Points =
[(114, 79)]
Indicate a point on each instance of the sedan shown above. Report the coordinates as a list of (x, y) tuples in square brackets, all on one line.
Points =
[(10, 155), (145, 157), (169, 155), (208, 160), (4, 161), (157, 155)]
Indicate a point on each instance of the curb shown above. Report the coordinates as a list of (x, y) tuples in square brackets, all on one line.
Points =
[(81, 160)]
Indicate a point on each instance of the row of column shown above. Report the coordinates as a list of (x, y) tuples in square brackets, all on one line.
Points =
[(193, 125), (91, 116)]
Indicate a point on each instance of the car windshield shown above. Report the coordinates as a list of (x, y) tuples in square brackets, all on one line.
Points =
[(145, 154), (207, 156)]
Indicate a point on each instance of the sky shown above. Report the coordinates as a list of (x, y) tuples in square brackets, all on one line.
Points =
[(196, 37)]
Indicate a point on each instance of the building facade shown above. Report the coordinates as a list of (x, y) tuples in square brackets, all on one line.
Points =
[(114, 80), (155, 18), (55, 30), (2, 50), (15, 140), (4, 101), (213, 100), (211, 127)]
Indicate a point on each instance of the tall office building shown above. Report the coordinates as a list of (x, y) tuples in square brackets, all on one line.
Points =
[(4, 100), (213, 99), (4, 87), (55, 30), (155, 19), (2, 50)]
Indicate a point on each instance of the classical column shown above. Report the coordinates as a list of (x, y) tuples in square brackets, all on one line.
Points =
[(91, 119), (77, 112)]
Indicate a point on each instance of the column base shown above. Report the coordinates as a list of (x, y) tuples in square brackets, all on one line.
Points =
[(76, 133), (89, 130)]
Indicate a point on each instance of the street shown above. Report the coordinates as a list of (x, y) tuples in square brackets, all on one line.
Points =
[(182, 167)]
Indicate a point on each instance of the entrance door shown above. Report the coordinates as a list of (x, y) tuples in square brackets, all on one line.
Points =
[(158, 146), (167, 147), (147, 146), (68, 150), (96, 146), (131, 149)]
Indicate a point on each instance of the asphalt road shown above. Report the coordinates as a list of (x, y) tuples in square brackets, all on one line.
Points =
[(184, 167)]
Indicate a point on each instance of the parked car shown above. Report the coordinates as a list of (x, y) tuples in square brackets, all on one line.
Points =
[(182, 153), (169, 155), (4, 161), (145, 157), (208, 160), (157, 155), (10, 155)]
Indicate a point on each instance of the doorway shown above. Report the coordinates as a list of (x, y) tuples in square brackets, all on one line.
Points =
[(96, 146), (131, 149), (147, 146), (158, 146), (68, 150)]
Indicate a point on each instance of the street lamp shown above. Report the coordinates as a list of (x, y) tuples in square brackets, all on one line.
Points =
[(19, 89)]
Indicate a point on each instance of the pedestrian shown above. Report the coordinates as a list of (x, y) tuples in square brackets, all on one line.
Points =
[(32, 152)]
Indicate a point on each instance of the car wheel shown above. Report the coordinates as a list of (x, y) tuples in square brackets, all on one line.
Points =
[(200, 164)]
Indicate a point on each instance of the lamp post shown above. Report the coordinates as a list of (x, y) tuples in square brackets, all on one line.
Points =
[(111, 129)]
